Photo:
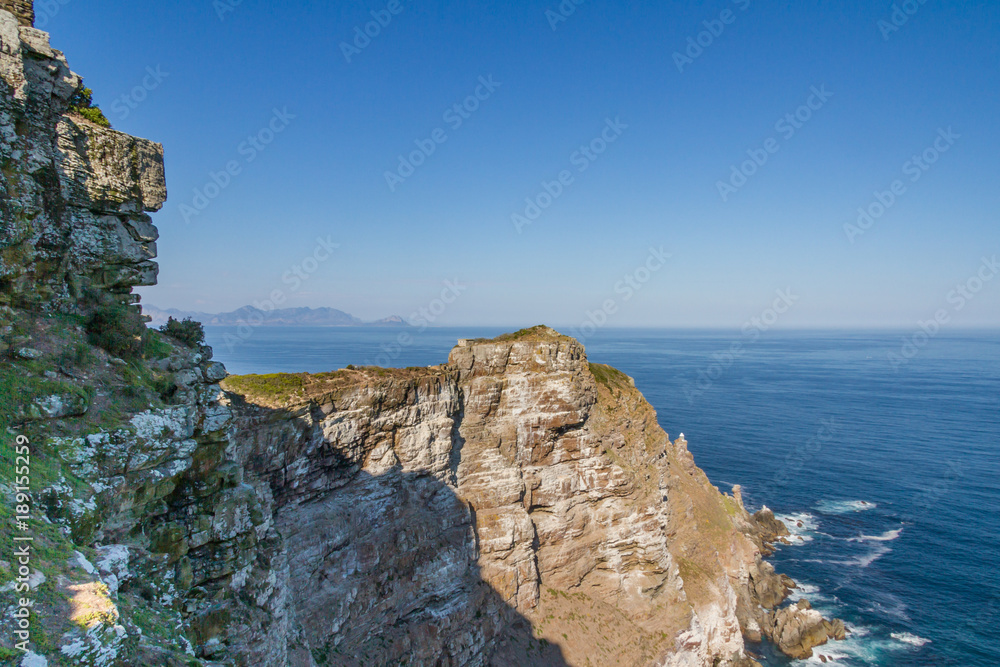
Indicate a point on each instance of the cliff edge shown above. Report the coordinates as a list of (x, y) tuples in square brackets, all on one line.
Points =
[(516, 505), (571, 516)]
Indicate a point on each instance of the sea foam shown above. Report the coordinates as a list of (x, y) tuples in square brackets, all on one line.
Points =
[(800, 526), (844, 506), (887, 536), (911, 639)]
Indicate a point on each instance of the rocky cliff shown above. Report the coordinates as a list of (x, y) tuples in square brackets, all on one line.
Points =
[(517, 505), (75, 194), (22, 10)]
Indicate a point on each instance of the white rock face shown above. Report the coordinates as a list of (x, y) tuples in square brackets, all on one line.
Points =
[(31, 659), (448, 506)]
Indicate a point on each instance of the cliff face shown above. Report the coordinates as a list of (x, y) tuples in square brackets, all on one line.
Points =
[(108, 439), (515, 506), (22, 10), (74, 194)]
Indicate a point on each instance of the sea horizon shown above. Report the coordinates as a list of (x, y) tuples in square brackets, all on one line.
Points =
[(876, 471)]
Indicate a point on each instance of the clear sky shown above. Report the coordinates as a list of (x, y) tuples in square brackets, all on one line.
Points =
[(608, 77)]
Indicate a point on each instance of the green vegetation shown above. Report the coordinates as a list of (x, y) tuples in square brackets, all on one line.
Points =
[(730, 504), (18, 389), (143, 387), (156, 346), (321, 656), (540, 332), (78, 355), (188, 331), (610, 377), (692, 572), (524, 333), (82, 103), (50, 547), (283, 389), (9, 654), (38, 634), (117, 329), (274, 387)]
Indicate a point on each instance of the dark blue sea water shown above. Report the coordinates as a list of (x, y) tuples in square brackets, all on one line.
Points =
[(889, 473)]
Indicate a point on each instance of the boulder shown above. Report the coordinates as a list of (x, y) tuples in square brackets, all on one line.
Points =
[(799, 628)]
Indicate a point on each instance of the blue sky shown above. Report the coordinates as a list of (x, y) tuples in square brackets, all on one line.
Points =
[(887, 95)]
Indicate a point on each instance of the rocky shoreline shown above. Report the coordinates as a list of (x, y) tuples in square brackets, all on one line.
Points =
[(795, 629)]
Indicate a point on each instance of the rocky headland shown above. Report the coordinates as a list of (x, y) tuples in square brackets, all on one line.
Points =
[(516, 505)]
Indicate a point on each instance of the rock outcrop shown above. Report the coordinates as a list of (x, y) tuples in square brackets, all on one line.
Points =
[(22, 10), (517, 505), (800, 628), (75, 195), (518, 465)]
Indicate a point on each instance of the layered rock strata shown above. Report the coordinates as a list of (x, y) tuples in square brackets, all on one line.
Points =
[(521, 466), (515, 506), (75, 195)]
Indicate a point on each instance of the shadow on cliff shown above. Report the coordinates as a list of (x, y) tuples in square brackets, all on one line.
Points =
[(382, 563)]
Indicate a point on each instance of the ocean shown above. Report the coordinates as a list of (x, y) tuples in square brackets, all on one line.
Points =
[(883, 458)]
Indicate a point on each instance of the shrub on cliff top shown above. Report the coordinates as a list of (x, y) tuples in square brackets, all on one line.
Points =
[(188, 331), (117, 328), (82, 103)]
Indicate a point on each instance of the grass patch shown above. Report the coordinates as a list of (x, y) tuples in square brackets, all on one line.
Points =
[(76, 355), (281, 389), (156, 347), (272, 388), (50, 548), (144, 387), (537, 333), (610, 377), (731, 507), (691, 572), (18, 389)]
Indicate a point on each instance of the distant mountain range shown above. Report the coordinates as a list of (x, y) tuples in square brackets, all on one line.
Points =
[(283, 317)]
